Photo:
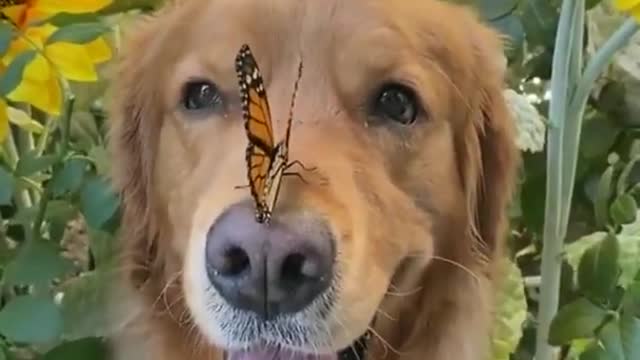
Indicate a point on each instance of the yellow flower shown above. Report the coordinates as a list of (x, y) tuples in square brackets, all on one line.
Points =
[(631, 6), (77, 62)]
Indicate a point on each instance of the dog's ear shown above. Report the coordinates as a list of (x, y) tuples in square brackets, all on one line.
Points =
[(490, 157), (135, 120)]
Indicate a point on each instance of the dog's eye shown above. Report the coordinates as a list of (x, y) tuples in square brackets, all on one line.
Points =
[(201, 95), (396, 102)]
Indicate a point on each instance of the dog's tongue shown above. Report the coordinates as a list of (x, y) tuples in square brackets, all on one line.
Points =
[(277, 354)]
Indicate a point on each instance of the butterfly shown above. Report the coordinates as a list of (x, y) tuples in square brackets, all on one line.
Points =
[(267, 161)]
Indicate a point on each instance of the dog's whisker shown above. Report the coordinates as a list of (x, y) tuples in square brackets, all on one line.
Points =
[(164, 290), (452, 262), (404, 293), (386, 314), (385, 343)]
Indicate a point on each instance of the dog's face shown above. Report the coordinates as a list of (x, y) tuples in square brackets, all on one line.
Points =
[(399, 115)]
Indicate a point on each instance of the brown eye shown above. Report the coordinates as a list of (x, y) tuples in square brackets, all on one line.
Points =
[(396, 102), (201, 95)]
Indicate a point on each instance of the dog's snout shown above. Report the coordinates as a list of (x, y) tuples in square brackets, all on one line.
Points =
[(269, 269)]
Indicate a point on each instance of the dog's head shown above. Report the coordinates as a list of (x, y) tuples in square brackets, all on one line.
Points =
[(400, 115)]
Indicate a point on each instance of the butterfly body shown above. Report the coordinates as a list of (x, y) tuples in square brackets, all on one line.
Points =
[(267, 161)]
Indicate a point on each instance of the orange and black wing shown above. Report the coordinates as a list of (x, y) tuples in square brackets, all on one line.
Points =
[(255, 106), (258, 127)]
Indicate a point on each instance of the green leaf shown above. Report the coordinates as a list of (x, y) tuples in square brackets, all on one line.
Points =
[(576, 320), (64, 19), (30, 163), (594, 351), (84, 302), (103, 246), (589, 4), (12, 76), (630, 336), (78, 33), (59, 213), (101, 160), (69, 178), (605, 189), (540, 20), (7, 186), (24, 121), (511, 26), (609, 335), (37, 263), (623, 210), (6, 34), (629, 238), (598, 269), (512, 312), (98, 202), (623, 179), (493, 9), (28, 319), (84, 349), (598, 135), (84, 129), (631, 301)]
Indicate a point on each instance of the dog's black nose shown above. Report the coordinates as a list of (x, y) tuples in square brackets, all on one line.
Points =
[(269, 269)]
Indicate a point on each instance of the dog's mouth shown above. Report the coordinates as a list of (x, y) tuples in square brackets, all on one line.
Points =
[(356, 351)]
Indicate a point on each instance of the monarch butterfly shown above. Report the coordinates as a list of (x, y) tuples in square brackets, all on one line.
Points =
[(267, 162)]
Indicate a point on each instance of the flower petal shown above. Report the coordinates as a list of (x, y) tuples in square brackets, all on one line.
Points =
[(38, 69), (72, 6), (98, 50), (72, 60), (14, 12), (45, 95), (626, 5), (635, 12), (4, 121)]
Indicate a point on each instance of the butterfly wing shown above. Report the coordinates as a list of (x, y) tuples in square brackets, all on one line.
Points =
[(255, 106), (259, 167), (274, 178), (259, 130)]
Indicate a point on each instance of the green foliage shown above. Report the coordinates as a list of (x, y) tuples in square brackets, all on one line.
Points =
[(511, 308), (12, 76), (79, 33), (54, 177), (30, 319)]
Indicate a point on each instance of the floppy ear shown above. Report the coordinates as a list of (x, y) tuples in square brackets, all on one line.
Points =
[(490, 156), (135, 117)]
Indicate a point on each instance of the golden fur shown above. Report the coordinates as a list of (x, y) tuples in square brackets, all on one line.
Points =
[(420, 214)]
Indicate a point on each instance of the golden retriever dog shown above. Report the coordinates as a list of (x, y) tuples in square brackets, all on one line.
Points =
[(385, 249)]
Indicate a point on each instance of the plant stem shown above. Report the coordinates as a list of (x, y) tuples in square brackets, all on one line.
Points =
[(65, 128), (578, 104), (11, 150), (41, 144), (27, 144), (22, 198), (552, 246)]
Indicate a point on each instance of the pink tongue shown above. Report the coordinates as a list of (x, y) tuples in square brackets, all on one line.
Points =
[(277, 354)]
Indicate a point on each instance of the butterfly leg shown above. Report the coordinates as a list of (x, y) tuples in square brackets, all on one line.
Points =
[(296, 162), (241, 186), (296, 175)]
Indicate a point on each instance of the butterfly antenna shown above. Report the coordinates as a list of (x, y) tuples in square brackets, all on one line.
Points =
[(293, 101)]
